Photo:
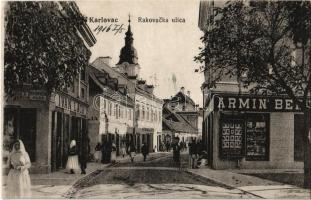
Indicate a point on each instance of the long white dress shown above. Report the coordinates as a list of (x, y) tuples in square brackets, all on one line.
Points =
[(18, 182)]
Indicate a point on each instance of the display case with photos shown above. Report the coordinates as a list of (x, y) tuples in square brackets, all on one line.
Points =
[(257, 137), (231, 140)]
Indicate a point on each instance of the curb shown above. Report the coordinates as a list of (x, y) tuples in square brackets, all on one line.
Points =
[(221, 183)]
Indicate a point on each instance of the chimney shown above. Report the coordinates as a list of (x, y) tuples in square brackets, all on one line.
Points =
[(188, 93), (106, 60), (149, 89), (182, 90)]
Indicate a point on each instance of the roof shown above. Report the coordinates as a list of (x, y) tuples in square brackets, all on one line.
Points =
[(181, 97), (108, 92), (176, 123)]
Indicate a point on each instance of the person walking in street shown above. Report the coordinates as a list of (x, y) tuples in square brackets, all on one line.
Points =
[(18, 182), (84, 154), (97, 154), (73, 159), (167, 145), (108, 151), (192, 154), (144, 151), (131, 150), (104, 152), (113, 152), (176, 153), (123, 149)]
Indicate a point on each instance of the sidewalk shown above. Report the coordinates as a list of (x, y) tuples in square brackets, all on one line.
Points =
[(55, 184), (261, 188)]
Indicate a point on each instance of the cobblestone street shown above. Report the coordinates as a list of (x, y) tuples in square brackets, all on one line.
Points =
[(157, 178)]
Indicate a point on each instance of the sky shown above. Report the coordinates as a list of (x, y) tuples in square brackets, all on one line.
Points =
[(164, 50)]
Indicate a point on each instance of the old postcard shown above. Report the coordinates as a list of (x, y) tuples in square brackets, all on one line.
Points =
[(160, 99)]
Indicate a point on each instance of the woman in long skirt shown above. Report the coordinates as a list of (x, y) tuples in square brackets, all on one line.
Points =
[(73, 158), (113, 152), (18, 183)]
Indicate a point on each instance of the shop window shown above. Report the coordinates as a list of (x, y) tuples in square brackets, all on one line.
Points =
[(231, 138), (82, 74), (257, 137), (298, 139), (82, 93)]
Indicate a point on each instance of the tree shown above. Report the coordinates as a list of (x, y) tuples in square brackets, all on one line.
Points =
[(269, 44), (42, 47)]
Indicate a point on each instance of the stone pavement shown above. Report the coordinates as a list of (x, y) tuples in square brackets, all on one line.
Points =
[(261, 188)]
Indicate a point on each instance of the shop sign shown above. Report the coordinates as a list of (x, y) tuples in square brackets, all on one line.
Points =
[(69, 104), (261, 104), (31, 95), (145, 130)]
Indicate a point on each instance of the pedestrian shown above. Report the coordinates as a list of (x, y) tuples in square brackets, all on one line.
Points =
[(104, 152), (84, 154), (192, 154), (73, 159), (108, 151), (144, 151), (123, 149), (97, 154), (176, 153), (113, 152), (167, 146), (131, 150), (18, 182)]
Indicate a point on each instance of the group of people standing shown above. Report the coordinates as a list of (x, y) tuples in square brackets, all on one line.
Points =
[(107, 151), (197, 154)]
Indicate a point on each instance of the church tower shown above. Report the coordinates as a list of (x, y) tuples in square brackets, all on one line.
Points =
[(128, 63)]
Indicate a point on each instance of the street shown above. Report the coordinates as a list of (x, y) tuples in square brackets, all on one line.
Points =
[(156, 178)]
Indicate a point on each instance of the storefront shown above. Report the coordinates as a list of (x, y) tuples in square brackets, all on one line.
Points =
[(45, 127), (68, 123), (144, 135), (26, 117), (247, 131)]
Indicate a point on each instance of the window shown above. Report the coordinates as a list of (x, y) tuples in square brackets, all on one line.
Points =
[(105, 104), (130, 114), (83, 93), (231, 138), (110, 109), (137, 112), (121, 111), (143, 113), (82, 74), (148, 114), (116, 109), (73, 87), (257, 137), (160, 114)]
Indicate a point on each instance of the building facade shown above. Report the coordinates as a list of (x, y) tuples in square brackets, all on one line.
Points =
[(147, 116), (46, 124), (181, 118), (110, 116), (242, 130)]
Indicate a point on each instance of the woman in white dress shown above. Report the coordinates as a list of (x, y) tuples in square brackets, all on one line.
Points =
[(113, 152), (73, 158), (18, 183)]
